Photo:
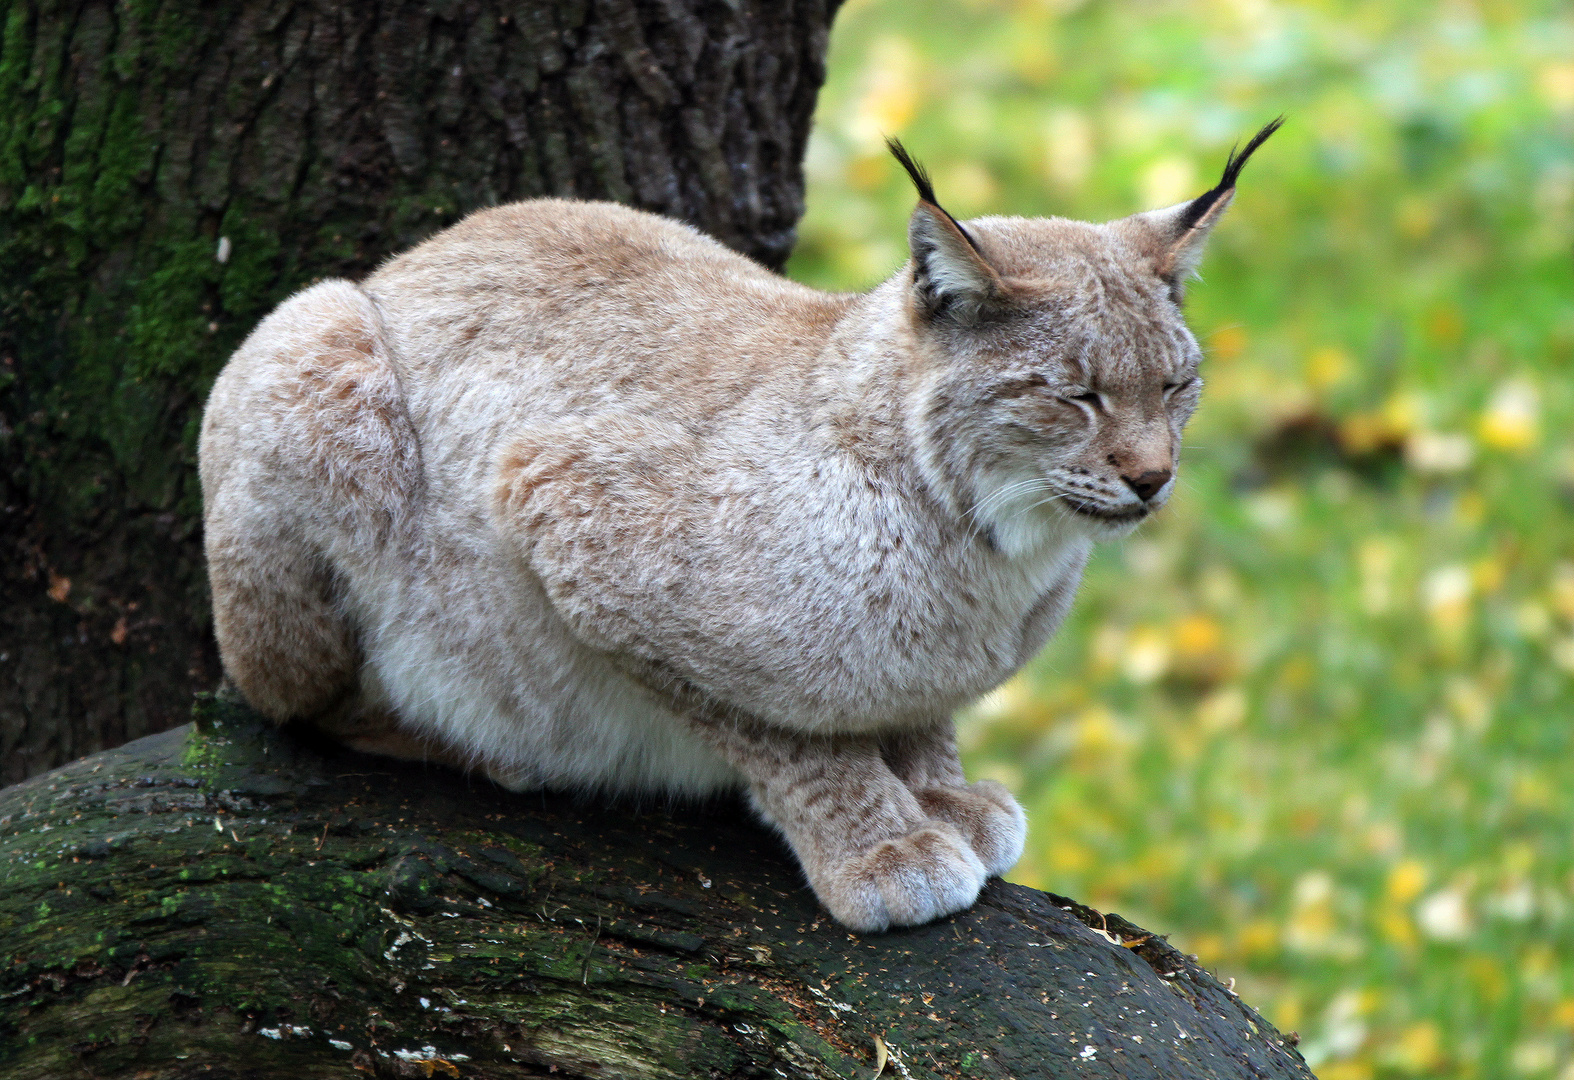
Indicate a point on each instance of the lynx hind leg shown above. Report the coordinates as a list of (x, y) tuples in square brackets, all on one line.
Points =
[(873, 856), (283, 641), (306, 454), (984, 812)]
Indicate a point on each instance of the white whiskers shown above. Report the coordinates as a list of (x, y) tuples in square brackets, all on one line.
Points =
[(997, 499), (1041, 502)]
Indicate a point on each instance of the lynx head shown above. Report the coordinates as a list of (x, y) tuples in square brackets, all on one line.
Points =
[(1061, 368)]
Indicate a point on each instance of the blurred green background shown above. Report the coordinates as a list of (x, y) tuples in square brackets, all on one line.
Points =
[(1314, 721)]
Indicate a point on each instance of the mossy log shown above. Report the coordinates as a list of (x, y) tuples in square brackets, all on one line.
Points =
[(231, 900), (169, 171)]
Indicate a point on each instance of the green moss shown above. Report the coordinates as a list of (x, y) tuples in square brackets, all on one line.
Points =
[(175, 31), (124, 161), (166, 324), (15, 47), (249, 283)]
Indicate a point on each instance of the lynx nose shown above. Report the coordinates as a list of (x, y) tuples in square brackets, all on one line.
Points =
[(1147, 484)]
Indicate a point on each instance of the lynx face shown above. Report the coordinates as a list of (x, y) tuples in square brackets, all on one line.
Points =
[(1076, 394), (1068, 371)]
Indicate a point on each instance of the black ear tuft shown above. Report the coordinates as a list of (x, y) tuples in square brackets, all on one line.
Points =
[(1200, 206), (1235, 162), (917, 172), (926, 190)]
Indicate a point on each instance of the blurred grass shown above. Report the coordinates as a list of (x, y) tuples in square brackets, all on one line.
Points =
[(1315, 720)]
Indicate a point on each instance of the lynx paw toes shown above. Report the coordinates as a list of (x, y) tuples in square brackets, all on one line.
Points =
[(905, 881), (987, 815)]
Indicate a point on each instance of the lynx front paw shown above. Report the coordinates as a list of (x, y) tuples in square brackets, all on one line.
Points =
[(986, 814), (904, 881)]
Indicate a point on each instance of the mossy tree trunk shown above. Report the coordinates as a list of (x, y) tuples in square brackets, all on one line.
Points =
[(170, 171), (225, 901)]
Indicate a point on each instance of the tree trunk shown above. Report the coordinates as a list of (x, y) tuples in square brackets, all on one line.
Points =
[(225, 900), (170, 171)]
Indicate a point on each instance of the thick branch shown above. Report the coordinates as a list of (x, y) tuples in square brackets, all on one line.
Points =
[(225, 900)]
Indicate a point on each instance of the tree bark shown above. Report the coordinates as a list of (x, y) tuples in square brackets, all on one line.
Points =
[(170, 171), (227, 900)]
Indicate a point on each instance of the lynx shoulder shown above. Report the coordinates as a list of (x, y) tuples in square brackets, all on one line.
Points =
[(572, 495)]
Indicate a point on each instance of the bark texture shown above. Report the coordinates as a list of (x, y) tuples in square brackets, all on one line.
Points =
[(224, 900), (170, 171)]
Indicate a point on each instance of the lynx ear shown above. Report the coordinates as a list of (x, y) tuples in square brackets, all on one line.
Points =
[(1177, 234), (951, 277)]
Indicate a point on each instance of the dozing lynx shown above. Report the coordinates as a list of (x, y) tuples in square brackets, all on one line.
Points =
[(573, 495)]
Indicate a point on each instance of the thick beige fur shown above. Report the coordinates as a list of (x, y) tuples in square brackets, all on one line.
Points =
[(574, 495)]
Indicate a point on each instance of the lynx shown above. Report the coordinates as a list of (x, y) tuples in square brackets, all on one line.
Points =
[(573, 495)]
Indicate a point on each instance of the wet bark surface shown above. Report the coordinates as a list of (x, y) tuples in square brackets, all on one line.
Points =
[(170, 171), (228, 900)]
